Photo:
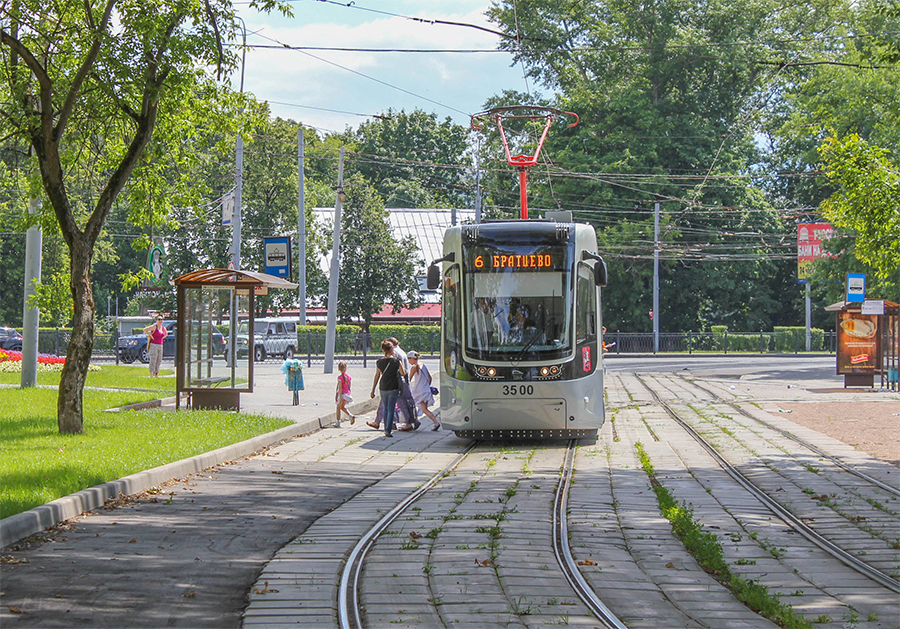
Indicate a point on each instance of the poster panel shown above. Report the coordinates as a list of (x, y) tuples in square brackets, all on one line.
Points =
[(809, 246), (858, 338)]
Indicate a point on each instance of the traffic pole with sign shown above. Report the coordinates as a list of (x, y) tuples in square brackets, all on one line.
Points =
[(856, 287)]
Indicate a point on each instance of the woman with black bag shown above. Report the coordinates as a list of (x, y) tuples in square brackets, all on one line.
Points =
[(389, 370)]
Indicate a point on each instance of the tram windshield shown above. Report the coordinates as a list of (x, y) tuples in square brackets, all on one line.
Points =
[(518, 303)]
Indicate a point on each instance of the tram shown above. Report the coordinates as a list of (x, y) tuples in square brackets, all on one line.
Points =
[(521, 353)]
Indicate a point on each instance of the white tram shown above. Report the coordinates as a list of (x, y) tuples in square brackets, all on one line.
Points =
[(521, 348)]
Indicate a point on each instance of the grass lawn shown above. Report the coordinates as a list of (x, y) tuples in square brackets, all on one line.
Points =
[(39, 465), (116, 376)]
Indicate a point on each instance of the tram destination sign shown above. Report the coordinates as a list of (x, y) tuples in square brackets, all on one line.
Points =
[(493, 260)]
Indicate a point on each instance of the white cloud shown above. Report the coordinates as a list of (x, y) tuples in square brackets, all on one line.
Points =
[(460, 81)]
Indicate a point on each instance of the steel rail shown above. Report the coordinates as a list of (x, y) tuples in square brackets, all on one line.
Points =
[(348, 603), (789, 518), (563, 552), (848, 468)]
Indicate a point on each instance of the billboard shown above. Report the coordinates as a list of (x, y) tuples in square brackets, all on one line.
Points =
[(809, 246), (858, 343)]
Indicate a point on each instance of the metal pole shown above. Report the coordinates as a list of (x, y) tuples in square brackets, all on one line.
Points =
[(301, 229), (523, 191), (477, 195), (335, 269), (238, 174), (808, 318), (31, 316), (656, 278)]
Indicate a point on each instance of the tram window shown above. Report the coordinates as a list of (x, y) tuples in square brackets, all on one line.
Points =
[(585, 305), (510, 313)]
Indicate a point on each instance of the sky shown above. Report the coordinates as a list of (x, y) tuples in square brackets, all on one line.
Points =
[(326, 89)]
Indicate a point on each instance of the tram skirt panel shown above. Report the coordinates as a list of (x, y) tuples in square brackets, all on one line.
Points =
[(518, 415)]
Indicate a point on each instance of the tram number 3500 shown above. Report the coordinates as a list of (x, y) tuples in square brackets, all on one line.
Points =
[(520, 389)]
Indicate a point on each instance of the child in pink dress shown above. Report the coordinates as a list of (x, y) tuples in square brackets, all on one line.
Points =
[(342, 395)]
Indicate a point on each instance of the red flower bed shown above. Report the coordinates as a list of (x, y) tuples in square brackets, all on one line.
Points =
[(45, 359)]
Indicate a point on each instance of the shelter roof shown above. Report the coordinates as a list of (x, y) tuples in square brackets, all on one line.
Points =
[(856, 305), (230, 277)]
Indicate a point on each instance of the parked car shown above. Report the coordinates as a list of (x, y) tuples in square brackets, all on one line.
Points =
[(10, 339), (134, 347), (274, 337)]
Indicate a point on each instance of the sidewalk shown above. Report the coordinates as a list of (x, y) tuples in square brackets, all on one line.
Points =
[(270, 397), (316, 409)]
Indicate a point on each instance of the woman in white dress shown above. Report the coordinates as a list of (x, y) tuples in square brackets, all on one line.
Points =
[(420, 387)]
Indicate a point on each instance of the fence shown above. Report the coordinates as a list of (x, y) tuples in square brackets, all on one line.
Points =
[(359, 346), (789, 341)]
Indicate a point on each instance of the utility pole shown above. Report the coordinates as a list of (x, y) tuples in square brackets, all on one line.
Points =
[(301, 229), (238, 174), (31, 316), (656, 278), (331, 327), (808, 317)]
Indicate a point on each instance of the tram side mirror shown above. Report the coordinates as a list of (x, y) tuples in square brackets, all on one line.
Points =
[(434, 277), (600, 274)]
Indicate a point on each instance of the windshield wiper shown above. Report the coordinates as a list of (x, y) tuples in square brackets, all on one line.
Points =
[(534, 337)]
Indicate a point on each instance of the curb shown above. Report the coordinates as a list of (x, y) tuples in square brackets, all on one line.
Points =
[(21, 525)]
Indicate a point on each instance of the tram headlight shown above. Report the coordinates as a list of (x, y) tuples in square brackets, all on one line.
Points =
[(491, 372), (554, 370), (545, 371), (482, 371)]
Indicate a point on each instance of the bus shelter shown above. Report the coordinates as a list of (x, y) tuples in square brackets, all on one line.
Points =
[(211, 368), (868, 342)]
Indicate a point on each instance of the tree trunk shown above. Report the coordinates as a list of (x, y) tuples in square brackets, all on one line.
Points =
[(70, 403)]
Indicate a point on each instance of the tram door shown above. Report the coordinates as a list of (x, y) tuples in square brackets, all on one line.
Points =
[(587, 350)]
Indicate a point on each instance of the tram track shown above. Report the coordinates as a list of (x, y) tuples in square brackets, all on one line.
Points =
[(349, 613), (563, 552), (785, 433), (830, 491), (774, 506), (484, 539), (508, 523)]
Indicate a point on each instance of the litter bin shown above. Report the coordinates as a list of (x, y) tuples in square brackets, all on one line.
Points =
[(293, 377)]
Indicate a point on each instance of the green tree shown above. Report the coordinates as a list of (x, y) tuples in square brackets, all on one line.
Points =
[(120, 75), (866, 201), (270, 204), (375, 268), (828, 278), (412, 159), (669, 96)]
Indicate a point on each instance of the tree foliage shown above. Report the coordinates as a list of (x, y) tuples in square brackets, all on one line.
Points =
[(375, 268), (412, 159), (109, 88), (668, 95), (866, 201)]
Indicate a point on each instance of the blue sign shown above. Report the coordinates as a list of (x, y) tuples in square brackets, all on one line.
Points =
[(278, 256), (856, 287)]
